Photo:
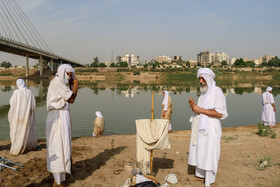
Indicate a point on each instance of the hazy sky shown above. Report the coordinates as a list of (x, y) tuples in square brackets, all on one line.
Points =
[(81, 30)]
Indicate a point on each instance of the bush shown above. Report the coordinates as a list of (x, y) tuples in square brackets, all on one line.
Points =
[(265, 131)]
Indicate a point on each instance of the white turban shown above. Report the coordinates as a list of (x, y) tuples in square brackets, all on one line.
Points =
[(165, 100), (98, 114), (21, 83), (208, 76), (61, 72), (268, 89)]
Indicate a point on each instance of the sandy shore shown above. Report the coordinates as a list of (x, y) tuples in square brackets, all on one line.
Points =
[(96, 159)]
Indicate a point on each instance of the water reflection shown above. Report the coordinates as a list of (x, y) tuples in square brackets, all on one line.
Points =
[(123, 103)]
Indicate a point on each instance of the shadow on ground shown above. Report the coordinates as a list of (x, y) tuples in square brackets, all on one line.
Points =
[(84, 168)]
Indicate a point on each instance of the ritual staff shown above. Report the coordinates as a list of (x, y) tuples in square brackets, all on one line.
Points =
[(98, 124), (22, 121), (268, 110), (58, 123), (166, 106), (204, 150)]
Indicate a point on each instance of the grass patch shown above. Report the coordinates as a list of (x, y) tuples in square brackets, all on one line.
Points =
[(229, 138), (265, 163), (181, 77), (6, 74), (265, 131)]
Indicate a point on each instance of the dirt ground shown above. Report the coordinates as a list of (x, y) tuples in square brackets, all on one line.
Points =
[(96, 159)]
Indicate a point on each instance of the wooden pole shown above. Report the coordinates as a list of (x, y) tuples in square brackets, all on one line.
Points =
[(152, 118)]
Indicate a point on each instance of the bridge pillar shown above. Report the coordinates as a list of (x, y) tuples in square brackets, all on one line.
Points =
[(41, 65), (51, 64), (27, 67)]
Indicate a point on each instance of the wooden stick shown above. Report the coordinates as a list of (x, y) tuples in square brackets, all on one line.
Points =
[(152, 118)]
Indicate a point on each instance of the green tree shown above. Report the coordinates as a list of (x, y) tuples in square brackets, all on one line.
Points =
[(224, 63), (6, 64), (113, 64), (145, 65), (239, 63), (274, 62), (188, 63), (123, 64), (102, 64)]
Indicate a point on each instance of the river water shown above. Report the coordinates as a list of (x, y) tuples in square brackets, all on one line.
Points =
[(122, 104)]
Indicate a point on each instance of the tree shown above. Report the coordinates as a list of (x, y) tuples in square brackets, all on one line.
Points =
[(239, 63), (145, 65), (96, 60), (188, 63), (123, 64), (113, 64), (102, 64), (224, 63), (275, 61), (6, 64)]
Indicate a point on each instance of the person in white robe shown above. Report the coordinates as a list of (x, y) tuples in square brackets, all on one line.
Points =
[(268, 110), (167, 109), (204, 150), (62, 91), (99, 124), (22, 120)]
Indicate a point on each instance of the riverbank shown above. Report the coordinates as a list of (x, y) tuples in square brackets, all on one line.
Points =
[(96, 159)]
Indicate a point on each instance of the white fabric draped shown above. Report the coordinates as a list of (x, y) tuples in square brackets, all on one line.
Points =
[(58, 127), (268, 114), (150, 135), (165, 100), (22, 121)]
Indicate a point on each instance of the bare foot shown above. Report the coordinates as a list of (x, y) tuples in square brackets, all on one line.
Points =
[(196, 178)]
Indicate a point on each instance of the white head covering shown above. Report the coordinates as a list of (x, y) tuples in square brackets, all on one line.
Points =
[(268, 89), (165, 100), (61, 72), (98, 114), (20, 83), (208, 76)]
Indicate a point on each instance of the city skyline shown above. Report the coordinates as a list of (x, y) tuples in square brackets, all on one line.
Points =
[(86, 29)]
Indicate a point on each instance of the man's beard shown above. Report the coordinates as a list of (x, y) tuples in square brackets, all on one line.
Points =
[(203, 88)]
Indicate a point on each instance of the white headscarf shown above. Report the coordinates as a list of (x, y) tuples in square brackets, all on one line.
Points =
[(208, 76), (165, 100), (20, 83), (268, 89), (98, 114), (61, 72)]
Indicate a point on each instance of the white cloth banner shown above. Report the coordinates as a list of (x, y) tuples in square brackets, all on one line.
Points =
[(151, 135)]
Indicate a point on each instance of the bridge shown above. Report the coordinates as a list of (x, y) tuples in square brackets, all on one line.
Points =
[(18, 36)]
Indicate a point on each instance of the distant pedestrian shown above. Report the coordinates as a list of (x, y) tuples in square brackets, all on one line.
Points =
[(268, 110), (99, 124), (166, 111), (22, 120)]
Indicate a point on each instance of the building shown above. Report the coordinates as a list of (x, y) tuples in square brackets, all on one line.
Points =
[(232, 60), (205, 58), (162, 59), (220, 57), (131, 59), (177, 58), (192, 62), (267, 58)]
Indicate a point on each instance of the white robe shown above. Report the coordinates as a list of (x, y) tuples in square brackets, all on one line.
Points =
[(22, 121), (58, 127), (268, 114), (204, 151)]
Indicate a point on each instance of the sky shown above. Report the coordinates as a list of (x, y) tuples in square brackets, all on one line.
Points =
[(82, 30)]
